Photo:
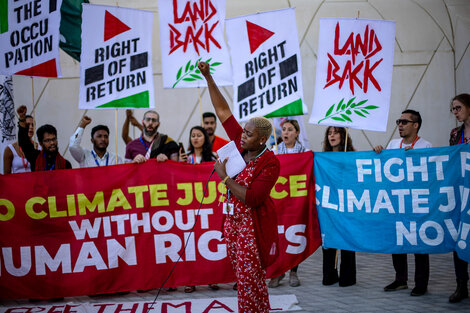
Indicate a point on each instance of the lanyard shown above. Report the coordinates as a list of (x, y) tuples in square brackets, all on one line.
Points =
[(25, 162), (96, 161), (145, 145), (413, 144), (45, 163), (462, 137)]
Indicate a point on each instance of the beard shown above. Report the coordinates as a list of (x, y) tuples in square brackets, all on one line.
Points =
[(150, 133)]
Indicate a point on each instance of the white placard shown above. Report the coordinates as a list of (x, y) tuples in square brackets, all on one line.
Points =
[(354, 73), (29, 37), (265, 55), (116, 59), (192, 31)]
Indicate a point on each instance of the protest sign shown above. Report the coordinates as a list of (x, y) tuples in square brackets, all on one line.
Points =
[(354, 73), (265, 55), (116, 58), (278, 303), (122, 227), (7, 116), (29, 33), (193, 31), (396, 201)]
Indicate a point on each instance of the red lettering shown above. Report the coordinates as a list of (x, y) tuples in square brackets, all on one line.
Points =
[(194, 38), (368, 75), (187, 306), (69, 307), (368, 45), (25, 310), (220, 306), (131, 310), (205, 11), (54, 307), (102, 307), (209, 38), (200, 37)]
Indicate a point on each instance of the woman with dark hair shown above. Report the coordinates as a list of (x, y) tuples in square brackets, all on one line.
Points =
[(14, 160), (335, 140), (250, 224), (460, 107), (200, 148)]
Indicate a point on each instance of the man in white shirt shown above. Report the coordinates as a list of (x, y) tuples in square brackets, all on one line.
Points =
[(408, 127), (100, 139)]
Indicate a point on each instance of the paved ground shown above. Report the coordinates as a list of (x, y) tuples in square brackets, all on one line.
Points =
[(374, 271)]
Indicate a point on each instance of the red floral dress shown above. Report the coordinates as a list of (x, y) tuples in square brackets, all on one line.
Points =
[(241, 228)]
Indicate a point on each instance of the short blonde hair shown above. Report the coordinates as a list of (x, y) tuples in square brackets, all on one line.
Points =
[(263, 125)]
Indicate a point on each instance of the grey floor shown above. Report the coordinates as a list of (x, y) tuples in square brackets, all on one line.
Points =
[(374, 271)]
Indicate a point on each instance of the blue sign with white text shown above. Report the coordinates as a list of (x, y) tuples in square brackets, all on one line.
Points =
[(396, 201)]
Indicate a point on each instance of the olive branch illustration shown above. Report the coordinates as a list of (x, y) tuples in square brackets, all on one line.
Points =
[(344, 111), (191, 72)]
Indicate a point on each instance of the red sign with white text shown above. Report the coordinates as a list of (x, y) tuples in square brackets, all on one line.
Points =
[(108, 229)]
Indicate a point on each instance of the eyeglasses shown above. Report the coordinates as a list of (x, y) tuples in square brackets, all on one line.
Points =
[(404, 122), (456, 108), (151, 119), (49, 140)]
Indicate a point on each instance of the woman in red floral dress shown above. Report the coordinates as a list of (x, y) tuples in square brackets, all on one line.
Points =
[(251, 230)]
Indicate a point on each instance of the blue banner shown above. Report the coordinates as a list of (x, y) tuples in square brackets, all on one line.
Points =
[(396, 201)]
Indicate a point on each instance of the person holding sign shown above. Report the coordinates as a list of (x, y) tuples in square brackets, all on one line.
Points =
[(290, 144), (335, 140), (46, 159), (14, 160), (130, 119), (460, 107), (250, 226), (408, 126), (199, 151), (100, 139)]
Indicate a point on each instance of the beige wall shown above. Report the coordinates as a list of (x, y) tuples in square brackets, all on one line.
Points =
[(431, 65)]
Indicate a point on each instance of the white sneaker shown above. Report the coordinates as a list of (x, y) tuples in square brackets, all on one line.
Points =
[(274, 282), (293, 279)]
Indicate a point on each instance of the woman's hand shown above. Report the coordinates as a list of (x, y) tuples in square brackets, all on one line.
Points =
[(204, 68), (182, 157), (220, 168)]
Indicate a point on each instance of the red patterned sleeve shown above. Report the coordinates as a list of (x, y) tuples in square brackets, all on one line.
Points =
[(233, 130)]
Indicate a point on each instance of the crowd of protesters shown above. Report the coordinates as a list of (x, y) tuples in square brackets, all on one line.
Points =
[(26, 155)]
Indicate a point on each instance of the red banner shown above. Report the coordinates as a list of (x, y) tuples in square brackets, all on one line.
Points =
[(117, 228)]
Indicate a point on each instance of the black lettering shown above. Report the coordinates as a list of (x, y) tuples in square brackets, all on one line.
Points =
[(90, 93)]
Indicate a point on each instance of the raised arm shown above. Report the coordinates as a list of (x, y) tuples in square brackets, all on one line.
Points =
[(221, 106), (125, 128)]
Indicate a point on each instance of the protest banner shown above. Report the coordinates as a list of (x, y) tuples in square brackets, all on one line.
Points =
[(108, 229), (193, 31), (396, 201), (267, 76), (277, 303), (354, 73), (116, 58), (29, 33)]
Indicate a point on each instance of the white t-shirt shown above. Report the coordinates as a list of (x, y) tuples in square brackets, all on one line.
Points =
[(420, 143)]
